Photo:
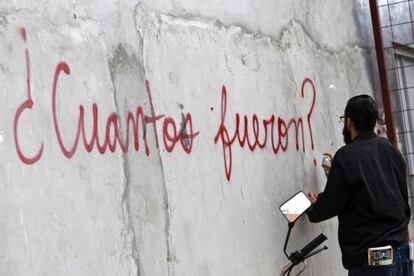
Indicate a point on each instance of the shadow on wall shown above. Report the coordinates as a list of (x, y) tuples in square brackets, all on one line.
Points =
[(362, 18)]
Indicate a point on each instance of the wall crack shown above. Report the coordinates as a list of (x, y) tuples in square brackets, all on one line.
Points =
[(197, 21)]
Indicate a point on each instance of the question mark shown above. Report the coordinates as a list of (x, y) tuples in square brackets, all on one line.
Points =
[(309, 115)]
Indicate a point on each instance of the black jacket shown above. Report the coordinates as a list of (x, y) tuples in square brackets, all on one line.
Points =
[(367, 190)]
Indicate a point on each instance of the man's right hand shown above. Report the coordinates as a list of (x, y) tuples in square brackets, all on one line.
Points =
[(327, 165), (313, 197)]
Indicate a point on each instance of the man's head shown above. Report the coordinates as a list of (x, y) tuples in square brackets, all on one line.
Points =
[(361, 114)]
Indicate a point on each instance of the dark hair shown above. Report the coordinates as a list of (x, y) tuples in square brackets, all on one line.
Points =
[(363, 112)]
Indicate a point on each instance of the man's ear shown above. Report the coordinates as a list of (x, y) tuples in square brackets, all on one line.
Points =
[(349, 123)]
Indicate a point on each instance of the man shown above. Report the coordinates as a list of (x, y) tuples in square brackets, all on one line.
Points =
[(367, 190)]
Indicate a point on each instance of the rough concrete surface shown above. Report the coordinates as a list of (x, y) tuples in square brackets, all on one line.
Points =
[(179, 198)]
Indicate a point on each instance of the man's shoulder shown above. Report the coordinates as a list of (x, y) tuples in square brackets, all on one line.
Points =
[(383, 140), (342, 152), (356, 146), (347, 149), (385, 143), (367, 146), (389, 147)]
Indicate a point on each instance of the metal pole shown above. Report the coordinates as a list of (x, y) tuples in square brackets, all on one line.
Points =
[(382, 69)]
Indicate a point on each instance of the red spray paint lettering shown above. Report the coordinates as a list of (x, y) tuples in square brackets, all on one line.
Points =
[(242, 136), (113, 137), (27, 104), (171, 135)]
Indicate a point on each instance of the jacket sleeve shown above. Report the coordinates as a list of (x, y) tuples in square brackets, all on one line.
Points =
[(331, 201)]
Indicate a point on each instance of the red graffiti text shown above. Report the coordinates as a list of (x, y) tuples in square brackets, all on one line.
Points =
[(135, 121), (279, 141)]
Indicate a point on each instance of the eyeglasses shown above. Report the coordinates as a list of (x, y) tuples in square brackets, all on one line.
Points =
[(342, 118)]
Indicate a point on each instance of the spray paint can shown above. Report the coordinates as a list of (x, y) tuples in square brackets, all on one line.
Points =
[(326, 164)]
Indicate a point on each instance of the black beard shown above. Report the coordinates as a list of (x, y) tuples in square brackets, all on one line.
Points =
[(347, 135)]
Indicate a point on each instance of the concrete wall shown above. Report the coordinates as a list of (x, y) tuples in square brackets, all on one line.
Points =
[(185, 194)]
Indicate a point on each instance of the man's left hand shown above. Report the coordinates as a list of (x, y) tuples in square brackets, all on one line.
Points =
[(313, 197)]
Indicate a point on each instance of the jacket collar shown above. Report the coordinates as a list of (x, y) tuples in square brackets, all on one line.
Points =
[(365, 134)]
